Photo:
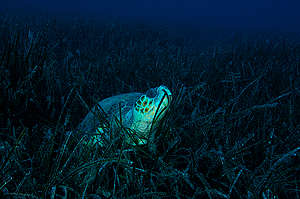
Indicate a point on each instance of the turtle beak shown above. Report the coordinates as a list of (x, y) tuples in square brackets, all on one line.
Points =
[(166, 93)]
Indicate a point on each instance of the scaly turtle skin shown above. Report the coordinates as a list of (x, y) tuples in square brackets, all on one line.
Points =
[(138, 113)]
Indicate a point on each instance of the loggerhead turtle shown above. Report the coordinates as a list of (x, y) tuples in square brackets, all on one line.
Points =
[(137, 112)]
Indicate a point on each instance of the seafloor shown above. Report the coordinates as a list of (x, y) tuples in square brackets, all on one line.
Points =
[(232, 130)]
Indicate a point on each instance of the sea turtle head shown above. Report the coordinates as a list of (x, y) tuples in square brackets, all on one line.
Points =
[(149, 109)]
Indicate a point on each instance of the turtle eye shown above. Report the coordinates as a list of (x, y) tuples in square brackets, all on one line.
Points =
[(151, 93)]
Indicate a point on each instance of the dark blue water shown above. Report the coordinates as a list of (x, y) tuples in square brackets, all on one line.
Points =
[(275, 15)]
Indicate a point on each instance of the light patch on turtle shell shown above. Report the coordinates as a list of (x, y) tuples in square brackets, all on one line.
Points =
[(97, 137)]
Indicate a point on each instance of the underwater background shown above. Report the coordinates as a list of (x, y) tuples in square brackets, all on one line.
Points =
[(232, 129)]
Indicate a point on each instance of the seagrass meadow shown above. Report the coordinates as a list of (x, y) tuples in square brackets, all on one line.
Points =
[(232, 129)]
